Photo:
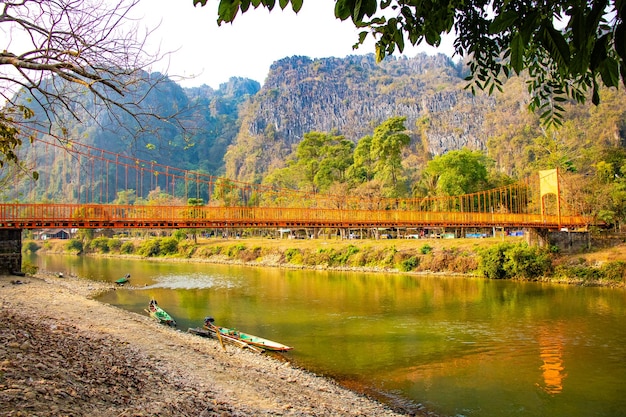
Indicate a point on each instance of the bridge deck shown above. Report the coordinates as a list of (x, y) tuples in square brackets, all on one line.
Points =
[(37, 216)]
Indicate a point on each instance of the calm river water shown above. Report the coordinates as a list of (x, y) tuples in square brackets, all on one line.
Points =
[(458, 346)]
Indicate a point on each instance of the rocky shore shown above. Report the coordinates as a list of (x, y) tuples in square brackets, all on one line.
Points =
[(63, 353)]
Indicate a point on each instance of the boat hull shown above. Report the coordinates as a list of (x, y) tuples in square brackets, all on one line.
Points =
[(253, 340), (160, 315)]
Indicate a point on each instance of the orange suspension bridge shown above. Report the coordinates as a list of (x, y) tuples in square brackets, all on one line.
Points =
[(96, 178)]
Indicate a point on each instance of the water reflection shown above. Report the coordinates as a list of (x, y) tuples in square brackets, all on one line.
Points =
[(456, 346), (551, 352)]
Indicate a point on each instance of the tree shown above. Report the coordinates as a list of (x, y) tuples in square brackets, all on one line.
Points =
[(458, 172), (57, 50), (568, 47), (320, 160), (389, 140)]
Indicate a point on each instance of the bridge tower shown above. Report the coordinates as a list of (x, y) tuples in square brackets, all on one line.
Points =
[(549, 184), (10, 251)]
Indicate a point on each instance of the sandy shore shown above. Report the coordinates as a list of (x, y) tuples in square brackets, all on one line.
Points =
[(63, 353)]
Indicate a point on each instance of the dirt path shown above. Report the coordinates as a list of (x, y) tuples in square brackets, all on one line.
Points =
[(63, 353)]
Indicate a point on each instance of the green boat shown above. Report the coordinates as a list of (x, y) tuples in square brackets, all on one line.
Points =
[(123, 280), (159, 314), (249, 339)]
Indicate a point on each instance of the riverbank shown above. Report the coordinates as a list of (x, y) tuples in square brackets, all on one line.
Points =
[(64, 353), (597, 267)]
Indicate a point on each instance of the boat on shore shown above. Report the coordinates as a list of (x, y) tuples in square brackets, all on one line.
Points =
[(159, 314), (239, 337), (123, 280)]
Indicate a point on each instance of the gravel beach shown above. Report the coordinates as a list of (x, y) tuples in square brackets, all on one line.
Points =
[(63, 353)]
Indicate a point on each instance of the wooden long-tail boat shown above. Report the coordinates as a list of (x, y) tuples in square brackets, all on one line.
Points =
[(240, 337), (159, 314), (123, 280)]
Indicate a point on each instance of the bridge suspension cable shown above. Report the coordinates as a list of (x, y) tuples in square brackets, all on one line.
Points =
[(104, 177)]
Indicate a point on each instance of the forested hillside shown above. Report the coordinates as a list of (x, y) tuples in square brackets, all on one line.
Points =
[(187, 128), (401, 128)]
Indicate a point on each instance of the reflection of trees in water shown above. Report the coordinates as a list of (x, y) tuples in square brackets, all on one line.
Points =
[(551, 353)]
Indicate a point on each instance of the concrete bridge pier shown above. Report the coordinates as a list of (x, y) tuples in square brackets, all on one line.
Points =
[(566, 241), (10, 251)]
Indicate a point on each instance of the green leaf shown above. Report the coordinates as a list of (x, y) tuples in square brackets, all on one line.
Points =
[(517, 53), (227, 10), (369, 7), (595, 97), (296, 5), (35, 175), (620, 40), (503, 22), (342, 9), (555, 44), (609, 71)]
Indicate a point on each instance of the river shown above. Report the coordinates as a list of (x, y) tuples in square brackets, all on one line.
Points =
[(455, 346)]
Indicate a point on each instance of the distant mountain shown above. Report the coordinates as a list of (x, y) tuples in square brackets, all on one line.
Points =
[(206, 123), (350, 96)]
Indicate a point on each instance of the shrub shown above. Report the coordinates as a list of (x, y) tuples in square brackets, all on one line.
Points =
[(293, 255), (168, 246), (127, 248), (180, 234), (614, 271), (186, 248), (150, 248), (341, 258), (115, 244), (30, 247), (99, 244), (508, 260), (29, 268), (409, 264), (582, 272), (234, 250), (527, 262), (74, 245), (426, 249)]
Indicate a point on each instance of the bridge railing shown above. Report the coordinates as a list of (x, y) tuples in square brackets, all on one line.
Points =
[(116, 216)]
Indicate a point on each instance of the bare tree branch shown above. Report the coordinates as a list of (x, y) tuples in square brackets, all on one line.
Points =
[(58, 49)]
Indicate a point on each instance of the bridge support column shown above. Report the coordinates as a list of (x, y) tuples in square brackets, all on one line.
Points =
[(566, 241), (10, 251)]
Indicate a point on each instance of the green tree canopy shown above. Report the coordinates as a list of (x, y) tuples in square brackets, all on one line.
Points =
[(568, 47), (459, 172), (388, 142)]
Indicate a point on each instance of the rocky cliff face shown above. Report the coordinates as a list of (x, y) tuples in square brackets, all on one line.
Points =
[(350, 96)]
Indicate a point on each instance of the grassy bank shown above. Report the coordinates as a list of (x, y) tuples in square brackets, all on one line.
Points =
[(496, 258)]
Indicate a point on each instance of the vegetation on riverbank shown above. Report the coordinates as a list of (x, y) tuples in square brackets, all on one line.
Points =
[(494, 258)]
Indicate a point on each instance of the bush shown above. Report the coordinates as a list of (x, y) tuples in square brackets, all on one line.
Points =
[(168, 246), (293, 255), (409, 264), (127, 248), (234, 250), (527, 262), (582, 272), (426, 249), (508, 260), (74, 245), (99, 244), (115, 244), (30, 247), (186, 248), (150, 248), (29, 268), (341, 258), (614, 271)]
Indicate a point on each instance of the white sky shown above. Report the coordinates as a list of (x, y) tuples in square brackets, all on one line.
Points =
[(211, 54)]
